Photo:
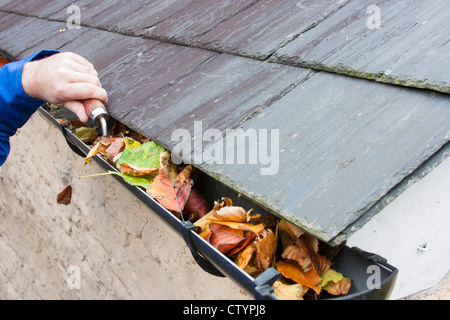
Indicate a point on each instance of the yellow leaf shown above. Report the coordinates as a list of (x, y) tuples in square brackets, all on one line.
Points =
[(310, 279), (286, 291)]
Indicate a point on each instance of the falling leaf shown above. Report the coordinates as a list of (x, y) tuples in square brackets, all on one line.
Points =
[(290, 270), (65, 196), (286, 291)]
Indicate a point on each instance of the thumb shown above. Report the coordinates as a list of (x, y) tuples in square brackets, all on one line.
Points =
[(77, 108)]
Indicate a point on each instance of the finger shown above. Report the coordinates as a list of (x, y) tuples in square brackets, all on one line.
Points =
[(84, 69), (77, 108), (77, 77), (81, 91), (79, 59)]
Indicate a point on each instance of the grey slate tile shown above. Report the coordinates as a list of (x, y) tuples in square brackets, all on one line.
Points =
[(28, 33), (196, 19), (134, 81), (38, 8), (263, 28), (343, 143), (220, 93), (108, 51), (410, 48)]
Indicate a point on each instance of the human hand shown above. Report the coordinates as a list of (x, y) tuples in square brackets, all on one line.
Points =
[(63, 79)]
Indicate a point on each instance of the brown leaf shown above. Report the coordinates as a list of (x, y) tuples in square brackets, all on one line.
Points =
[(244, 257), (265, 250), (310, 279), (299, 253), (171, 168), (321, 263), (288, 233), (230, 212), (341, 287), (170, 195), (65, 196)]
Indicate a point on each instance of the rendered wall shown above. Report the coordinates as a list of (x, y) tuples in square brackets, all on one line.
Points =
[(121, 248)]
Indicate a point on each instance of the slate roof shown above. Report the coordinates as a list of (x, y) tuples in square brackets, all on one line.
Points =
[(358, 109)]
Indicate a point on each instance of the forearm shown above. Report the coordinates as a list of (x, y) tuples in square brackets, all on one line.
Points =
[(16, 107)]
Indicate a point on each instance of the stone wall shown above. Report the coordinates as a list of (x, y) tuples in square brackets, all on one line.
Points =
[(120, 247)]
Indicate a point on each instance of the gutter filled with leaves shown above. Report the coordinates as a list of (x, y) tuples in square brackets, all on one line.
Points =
[(227, 234)]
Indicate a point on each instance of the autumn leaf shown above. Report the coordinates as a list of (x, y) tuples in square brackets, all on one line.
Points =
[(107, 147), (171, 195), (115, 147), (299, 253), (86, 134), (196, 203), (228, 240), (265, 249), (65, 196), (135, 181), (171, 168), (212, 218), (338, 288), (321, 263), (331, 275), (142, 160), (290, 270), (243, 258), (286, 291)]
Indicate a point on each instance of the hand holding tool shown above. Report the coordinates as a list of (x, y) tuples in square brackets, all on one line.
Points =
[(97, 112)]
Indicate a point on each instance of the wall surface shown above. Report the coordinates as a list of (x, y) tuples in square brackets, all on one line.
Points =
[(120, 248)]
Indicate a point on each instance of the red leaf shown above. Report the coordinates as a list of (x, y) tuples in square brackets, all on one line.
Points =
[(171, 195), (226, 239), (196, 203)]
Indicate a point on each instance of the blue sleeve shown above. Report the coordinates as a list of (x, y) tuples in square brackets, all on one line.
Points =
[(16, 107)]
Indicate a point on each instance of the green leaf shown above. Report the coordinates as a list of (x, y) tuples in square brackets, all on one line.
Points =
[(86, 134), (135, 181), (331, 275), (145, 157)]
